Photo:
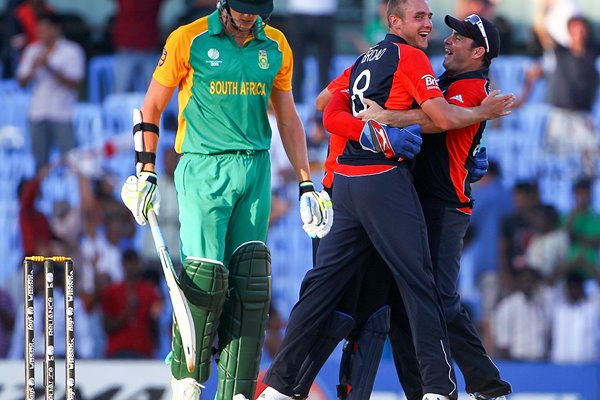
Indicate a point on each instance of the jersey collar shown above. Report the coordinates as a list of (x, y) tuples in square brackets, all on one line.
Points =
[(446, 80), (215, 28), (390, 37), (477, 74)]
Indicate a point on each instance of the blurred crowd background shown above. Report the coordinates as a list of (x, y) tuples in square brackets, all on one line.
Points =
[(72, 70)]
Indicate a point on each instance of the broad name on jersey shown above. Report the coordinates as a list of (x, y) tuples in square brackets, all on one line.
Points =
[(238, 88), (372, 54)]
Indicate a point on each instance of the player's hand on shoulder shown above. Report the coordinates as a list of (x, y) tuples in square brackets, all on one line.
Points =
[(497, 105), (316, 210), (140, 194)]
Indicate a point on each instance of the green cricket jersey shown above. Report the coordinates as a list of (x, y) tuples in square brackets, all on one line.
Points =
[(224, 89)]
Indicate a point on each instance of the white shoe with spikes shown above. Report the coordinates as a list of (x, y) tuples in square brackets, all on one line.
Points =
[(433, 396), (271, 394), (186, 389)]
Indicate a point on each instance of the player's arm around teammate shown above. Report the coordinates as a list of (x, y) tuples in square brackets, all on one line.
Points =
[(446, 205)]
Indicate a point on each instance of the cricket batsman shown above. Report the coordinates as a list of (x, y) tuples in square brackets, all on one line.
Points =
[(226, 67)]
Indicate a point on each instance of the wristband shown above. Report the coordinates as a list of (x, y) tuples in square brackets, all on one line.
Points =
[(146, 126), (145, 157), (305, 187)]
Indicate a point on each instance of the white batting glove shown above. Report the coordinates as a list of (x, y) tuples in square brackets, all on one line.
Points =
[(140, 194), (316, 211)]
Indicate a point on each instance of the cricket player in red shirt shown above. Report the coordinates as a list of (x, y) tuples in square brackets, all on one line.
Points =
[(377, 209)]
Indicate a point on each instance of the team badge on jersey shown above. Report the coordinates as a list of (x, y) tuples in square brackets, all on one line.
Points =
[(163, 57), (263, 61), (214, 55)]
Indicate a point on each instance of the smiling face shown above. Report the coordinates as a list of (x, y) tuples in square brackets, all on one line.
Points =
[(412, 22), (461, 54)]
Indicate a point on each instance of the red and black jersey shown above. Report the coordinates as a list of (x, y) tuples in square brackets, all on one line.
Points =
[(395, 75), (441, 168)]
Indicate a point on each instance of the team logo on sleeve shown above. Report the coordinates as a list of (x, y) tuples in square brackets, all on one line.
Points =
[(430, 82), (263, 61), (163, 57)]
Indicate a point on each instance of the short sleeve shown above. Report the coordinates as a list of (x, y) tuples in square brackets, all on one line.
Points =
[(416, 74), (341, 82), (283, 79), (73, 64), (173, 64)]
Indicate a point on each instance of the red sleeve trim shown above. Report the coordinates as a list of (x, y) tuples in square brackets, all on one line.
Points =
[(338, 120)]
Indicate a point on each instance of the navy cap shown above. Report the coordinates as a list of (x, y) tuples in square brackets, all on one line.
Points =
[(258, 7), (471, 27)]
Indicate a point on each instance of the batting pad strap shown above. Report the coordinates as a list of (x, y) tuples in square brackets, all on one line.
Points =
[(146, 127), (145, 157)]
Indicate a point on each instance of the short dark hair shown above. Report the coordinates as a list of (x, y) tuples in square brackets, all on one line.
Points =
[(578, 18), (485, 61), (526, 187), (584, 183), (50, 17)]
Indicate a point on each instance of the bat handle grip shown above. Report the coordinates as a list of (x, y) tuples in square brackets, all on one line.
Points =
[(159, 240)]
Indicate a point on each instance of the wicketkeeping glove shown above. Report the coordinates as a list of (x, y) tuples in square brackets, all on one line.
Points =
[(140, 194), (480, 165), (316, 210), (397, 143)]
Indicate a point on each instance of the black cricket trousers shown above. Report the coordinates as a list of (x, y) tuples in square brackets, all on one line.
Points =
[(446, 227), (383, 212)]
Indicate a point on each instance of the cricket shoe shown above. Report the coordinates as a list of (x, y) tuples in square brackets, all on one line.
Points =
[(271, 394), (239, 397), (186, 389), (433, 396), (479, 396)]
